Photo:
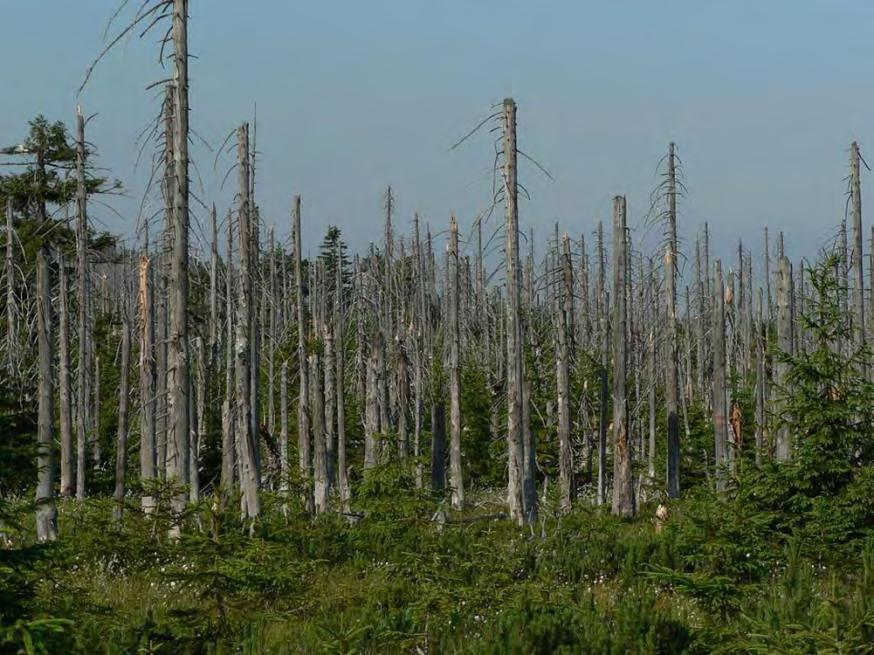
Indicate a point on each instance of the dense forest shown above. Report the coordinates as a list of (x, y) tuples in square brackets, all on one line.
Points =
[(446, 443)]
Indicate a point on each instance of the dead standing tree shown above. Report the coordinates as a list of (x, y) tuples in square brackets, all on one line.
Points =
[(303, 421), (246, 439), (456, 481), (623, 486), (520, 490), (564, 342)]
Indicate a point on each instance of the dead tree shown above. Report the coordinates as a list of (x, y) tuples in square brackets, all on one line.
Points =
[(623, 486), (604, 385), (671, 384), (147, 379), (761, 426), (178, 382), (339, 361), (317, 408), (303, 419), (246, 439), (123, 398), (456, 482), (521, 507), (783, 443), (83, 373), (283, 429), (66, 412), (229, 450), (565, 311), (719, 381), (46, 512), (857, 255)]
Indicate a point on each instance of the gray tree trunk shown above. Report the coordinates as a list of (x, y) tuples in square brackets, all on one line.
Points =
[(456, 482), (46, 512), (623, 487), (565, 310), (761, 426), (68, 478), (246, 441), (671, 371), (147, 380), (83, 372), (121, 442), (283, 429), (229, 417), (857, 255), (339, 359), (718, 381), (783, 443), (303, 420), (518, 502), (178, 382)]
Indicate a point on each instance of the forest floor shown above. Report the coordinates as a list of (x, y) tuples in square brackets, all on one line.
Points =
[(720, 575)]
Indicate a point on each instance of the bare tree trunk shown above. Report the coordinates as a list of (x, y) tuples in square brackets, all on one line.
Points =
[(303, 421), (719, 393), (761, 426), (83, 373), (229, 417), (320, 465), (283, 429), (213, 290), (783, 444), (317, 408), (178, 383), (456, 482), (147, 380), (46, 513), (246, 440), (515, 372), (121, 443), (161, 424), (329, 369), (67, 472), (565, 310), (603, 303), (623, 487), (371, 409), (671, 379), (340, 349), (859, 280), (271, 336), (96, 416), (198, 433)]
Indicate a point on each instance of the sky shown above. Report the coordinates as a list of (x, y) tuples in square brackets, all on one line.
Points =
[(761, 97)]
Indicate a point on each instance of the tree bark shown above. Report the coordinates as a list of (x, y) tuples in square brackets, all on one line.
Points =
[(719, 387), (783, 444), (147, 381), (246, 440), (303, 421), (83, 371), (565, 311), (121, 442), (671, 372), (623, 487), (178, 382), (456, 482), (66, 419), (522, 508)]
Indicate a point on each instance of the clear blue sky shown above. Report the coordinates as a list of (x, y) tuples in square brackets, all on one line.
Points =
[(762, 98)]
